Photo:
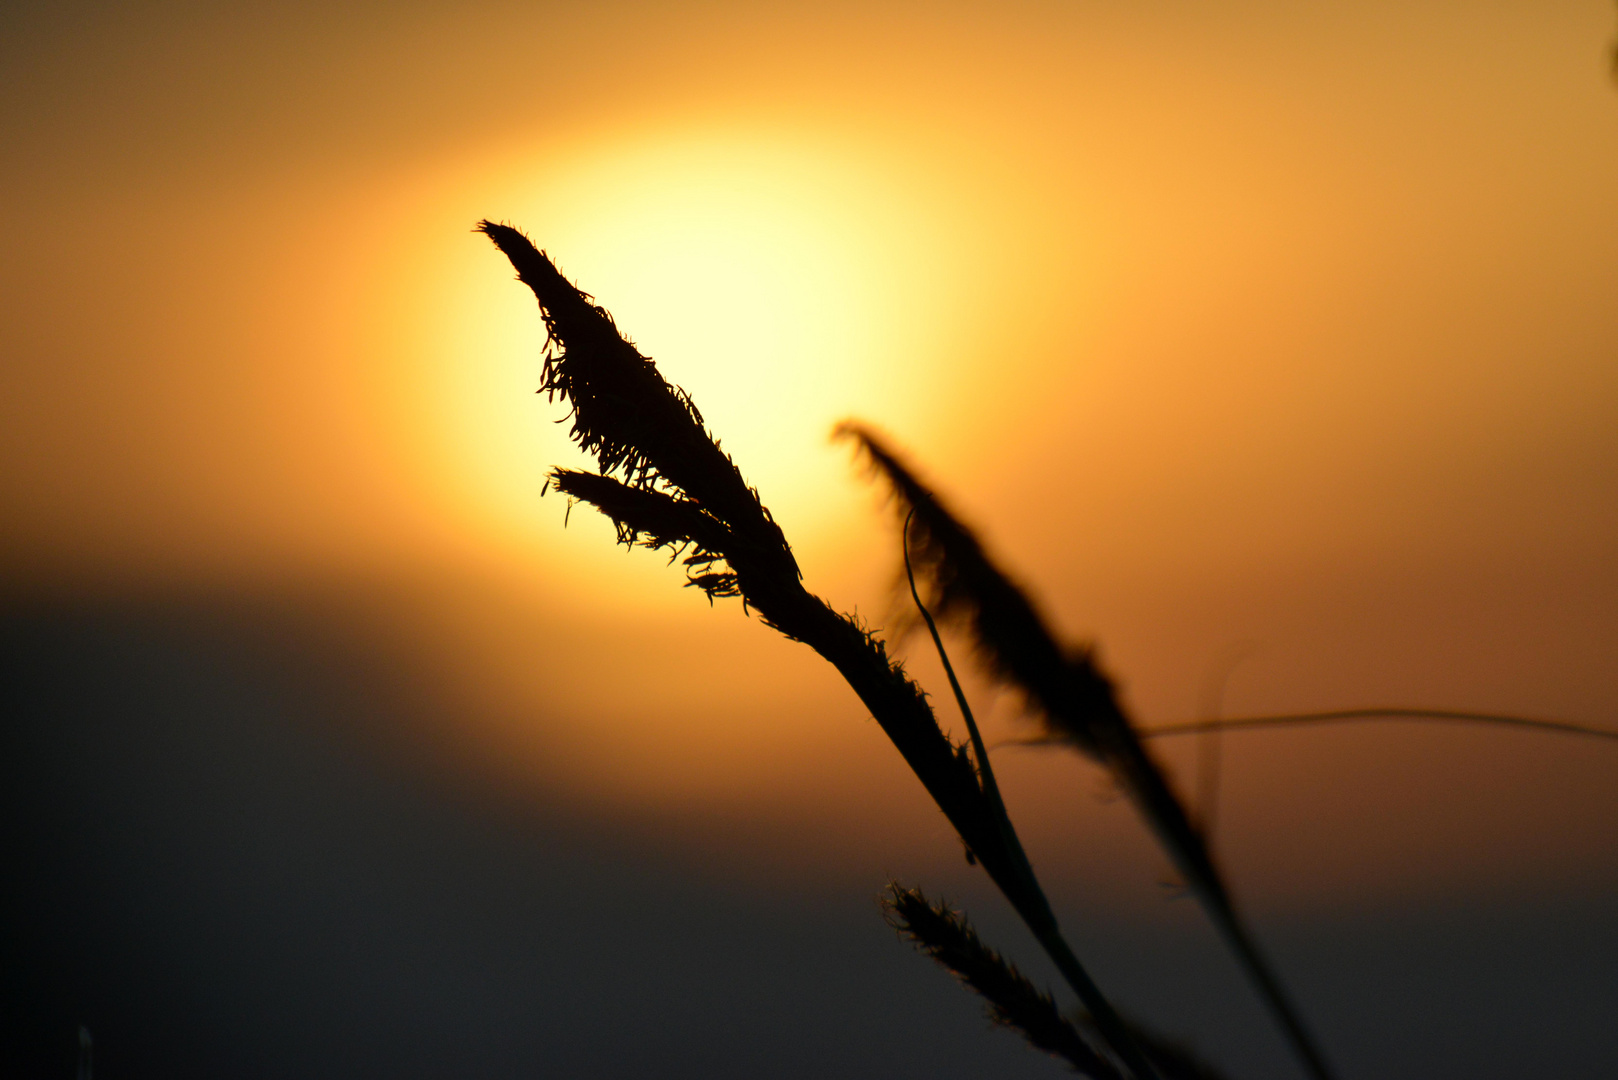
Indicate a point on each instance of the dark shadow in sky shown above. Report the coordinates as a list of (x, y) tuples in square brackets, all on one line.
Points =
[(215, 862)]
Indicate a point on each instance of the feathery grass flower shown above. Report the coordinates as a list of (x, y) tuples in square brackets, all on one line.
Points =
[(665, 483)]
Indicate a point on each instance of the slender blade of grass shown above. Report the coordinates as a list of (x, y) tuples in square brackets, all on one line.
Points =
[(1341, 716)]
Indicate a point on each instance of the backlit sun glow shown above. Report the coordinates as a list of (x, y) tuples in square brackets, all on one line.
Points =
[(784, 286)]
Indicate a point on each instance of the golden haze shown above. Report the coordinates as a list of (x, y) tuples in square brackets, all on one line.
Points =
[(1292, 327)]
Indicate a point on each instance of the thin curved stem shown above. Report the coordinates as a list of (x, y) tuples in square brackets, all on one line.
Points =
[(985, 770), (1041, 920), (1337, 716)]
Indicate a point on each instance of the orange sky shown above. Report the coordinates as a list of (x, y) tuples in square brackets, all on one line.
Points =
[(1292, 327)]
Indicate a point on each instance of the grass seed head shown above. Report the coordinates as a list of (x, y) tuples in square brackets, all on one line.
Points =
[(1070, 694)]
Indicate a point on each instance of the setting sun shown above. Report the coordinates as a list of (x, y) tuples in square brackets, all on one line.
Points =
[(786, 284)]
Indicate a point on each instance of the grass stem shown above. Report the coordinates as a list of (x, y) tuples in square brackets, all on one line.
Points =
[(1043, 922)]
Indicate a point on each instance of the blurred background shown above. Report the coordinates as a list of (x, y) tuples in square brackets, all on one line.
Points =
[(1272, 346)]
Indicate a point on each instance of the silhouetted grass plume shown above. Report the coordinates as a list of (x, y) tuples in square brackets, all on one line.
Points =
[(1013, 1001), (665, 483), (1075, 702)]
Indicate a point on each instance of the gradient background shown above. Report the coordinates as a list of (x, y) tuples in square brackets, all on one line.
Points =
[(1262, 340)]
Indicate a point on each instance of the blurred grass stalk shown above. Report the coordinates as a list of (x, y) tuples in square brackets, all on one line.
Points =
[(1074, 701), (675, 488)]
